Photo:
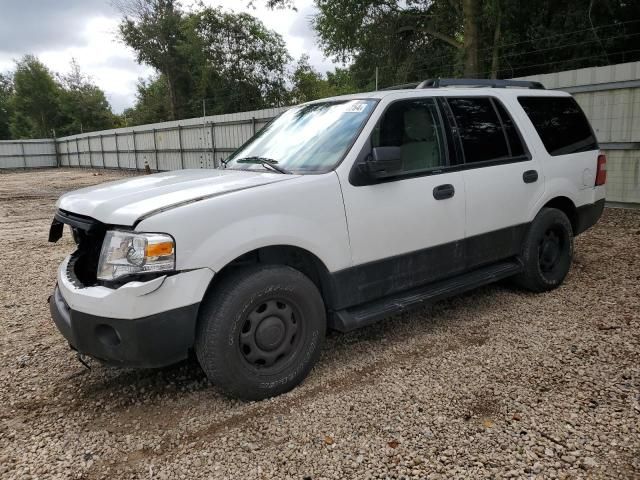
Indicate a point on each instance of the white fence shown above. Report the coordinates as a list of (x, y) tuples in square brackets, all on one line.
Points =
[(610, 97), (191, 143), (28, 153)]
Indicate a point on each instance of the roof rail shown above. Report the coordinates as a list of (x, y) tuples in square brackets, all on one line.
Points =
[(479, 82), (402, 86)]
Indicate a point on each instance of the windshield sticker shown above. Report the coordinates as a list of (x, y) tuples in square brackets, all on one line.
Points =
[(355, 107)]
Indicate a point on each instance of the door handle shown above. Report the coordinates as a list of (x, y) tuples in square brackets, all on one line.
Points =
[(530, 176), (442, 192)]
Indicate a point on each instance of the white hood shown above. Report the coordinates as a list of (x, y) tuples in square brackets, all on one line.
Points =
[(124, 201)]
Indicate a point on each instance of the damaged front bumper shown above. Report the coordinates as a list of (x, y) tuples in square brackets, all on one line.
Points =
[(141, 324)]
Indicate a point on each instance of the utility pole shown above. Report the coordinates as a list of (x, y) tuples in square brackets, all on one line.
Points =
[(376, 79)]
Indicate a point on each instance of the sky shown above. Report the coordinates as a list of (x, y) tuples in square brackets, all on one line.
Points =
[(58, 30)]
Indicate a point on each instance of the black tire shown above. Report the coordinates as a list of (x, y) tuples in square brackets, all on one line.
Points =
[(260, 331), (547, 251)]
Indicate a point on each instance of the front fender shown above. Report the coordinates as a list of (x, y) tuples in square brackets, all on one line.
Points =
[(306, 212)]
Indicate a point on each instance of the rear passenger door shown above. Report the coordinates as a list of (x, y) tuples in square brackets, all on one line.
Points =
[(503, 181)]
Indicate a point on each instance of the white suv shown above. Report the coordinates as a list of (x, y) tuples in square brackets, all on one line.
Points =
[(337, 214)]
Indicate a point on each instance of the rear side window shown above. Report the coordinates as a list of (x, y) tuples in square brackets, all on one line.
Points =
[(479, 128), (561, 124)]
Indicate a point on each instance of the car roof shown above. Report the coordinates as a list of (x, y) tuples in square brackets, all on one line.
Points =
[(445, 91)]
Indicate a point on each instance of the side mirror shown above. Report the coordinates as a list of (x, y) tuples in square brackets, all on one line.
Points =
[(384, 162)]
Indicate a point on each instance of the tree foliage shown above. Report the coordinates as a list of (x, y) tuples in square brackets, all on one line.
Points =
[(230, 59), (6, 93), (35, 103), (151, 103), (409, 40), (83, 106), (309, 84)]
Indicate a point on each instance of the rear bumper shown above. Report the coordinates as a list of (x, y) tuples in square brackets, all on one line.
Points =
[(153, 341), (588, 216)]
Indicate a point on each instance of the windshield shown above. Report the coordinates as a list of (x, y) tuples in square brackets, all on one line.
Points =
[(307, 138)]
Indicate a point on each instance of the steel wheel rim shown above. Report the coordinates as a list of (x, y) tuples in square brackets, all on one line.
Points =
[(271, 334), (550, 249)]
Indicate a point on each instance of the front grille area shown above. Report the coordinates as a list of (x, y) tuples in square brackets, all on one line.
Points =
[(86, 257), (88, 234)]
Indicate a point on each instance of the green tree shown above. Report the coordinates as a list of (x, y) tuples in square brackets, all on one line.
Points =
[(309, 84), (151, 103), (83, 105), (236, 61), (417, 39), (36, 100), (230, 59), (154, 30), (6, 94)]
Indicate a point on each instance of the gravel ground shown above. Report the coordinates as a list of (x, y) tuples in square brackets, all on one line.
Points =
[(493, 384)]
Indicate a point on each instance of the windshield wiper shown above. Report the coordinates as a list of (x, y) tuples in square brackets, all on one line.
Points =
[(265, 162)]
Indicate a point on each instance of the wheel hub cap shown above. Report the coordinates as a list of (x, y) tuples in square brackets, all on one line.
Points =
[(270, 333)]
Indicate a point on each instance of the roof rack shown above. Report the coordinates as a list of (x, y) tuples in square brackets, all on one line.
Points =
[(469, 82), (402, 86)]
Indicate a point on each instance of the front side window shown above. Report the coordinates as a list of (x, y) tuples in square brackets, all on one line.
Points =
[(306, 139), (480, 129), (415, 127), (561, 124)]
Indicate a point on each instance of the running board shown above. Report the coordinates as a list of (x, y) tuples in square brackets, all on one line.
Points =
[(371, 312)]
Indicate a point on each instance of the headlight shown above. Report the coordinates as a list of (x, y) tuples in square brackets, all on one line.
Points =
[(129, 253)]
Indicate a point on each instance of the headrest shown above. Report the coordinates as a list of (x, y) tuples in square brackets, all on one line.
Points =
[(417, 125)]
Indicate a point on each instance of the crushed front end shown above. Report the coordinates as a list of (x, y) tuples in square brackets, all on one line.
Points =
[(136, 321)]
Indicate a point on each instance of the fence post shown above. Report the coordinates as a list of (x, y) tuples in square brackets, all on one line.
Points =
[(213, 144), (89, 147), (180, 146), (24, 156), (55, 149), (253, 126), (68, 155), (135, 150), (78, 152), (115, 135), (104, 164), (155, 149)]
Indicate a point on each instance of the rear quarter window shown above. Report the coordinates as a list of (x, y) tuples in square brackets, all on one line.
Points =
[(560, 123)]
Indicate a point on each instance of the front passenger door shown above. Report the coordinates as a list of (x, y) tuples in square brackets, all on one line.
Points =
[(406, 230)]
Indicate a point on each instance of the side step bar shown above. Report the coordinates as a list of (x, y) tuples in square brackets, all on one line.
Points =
[(369, 313)]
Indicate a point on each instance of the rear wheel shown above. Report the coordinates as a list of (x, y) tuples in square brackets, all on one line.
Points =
[(260, 331), (547, 251)]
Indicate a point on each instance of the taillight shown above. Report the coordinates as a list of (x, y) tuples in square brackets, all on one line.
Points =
[(601, 172)]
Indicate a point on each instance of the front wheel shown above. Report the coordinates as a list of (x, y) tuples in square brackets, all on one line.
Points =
[(547, 251), (260, 331)]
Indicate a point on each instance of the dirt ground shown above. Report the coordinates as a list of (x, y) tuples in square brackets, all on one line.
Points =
[(497, 383)]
